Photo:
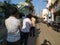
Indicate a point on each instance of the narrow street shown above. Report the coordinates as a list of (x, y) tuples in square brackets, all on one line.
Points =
[(45, 36)]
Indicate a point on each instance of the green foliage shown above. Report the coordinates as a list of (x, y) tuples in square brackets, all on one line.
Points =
[(5, 7), (30, 3), (28, 0), (24, 10)]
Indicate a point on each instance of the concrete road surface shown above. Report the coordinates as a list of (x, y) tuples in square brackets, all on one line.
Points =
[(45, 36)]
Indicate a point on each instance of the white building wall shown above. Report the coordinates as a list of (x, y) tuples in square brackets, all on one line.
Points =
[(45, 13)]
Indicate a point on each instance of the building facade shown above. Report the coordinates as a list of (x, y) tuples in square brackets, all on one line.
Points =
[(45, 15), (51, 7)]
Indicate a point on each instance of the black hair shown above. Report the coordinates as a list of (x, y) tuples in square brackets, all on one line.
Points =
[(21, 15), (49, 17), (29, 16), (13, 10)]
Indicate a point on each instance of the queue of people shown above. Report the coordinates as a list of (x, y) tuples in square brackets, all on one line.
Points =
[(17, 35)]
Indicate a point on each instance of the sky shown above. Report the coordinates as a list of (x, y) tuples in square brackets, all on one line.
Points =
[(39, 5)]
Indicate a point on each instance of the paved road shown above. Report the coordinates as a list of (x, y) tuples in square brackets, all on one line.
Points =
[(45, 36)]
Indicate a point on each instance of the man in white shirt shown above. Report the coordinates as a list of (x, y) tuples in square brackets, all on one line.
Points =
[(12, 24), (49, 21), (25, 30)]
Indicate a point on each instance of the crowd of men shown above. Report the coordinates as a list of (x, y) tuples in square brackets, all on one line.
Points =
[(18, 31)]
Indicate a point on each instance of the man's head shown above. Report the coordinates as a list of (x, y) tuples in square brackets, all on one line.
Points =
[(29, 16), (49, 17), (13, 11), (22, 15)]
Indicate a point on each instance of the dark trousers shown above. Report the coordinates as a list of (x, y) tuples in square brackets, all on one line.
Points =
[(24, 38), (13, 43), (48, 24), (32, 31)]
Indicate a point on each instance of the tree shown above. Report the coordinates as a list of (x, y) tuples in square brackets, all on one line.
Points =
[(27, 0), (5, 7), (30, 3)]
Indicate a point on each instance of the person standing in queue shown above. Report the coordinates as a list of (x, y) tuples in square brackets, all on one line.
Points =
[(25, 30), (12, 24), (49, 22), (33, 22)]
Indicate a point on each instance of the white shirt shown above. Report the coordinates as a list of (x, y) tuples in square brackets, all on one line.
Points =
[(26, 25), (49, 20), (12, 24)]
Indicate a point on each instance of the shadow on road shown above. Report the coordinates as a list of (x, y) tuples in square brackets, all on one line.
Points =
[(46, 42), (33, 40)]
